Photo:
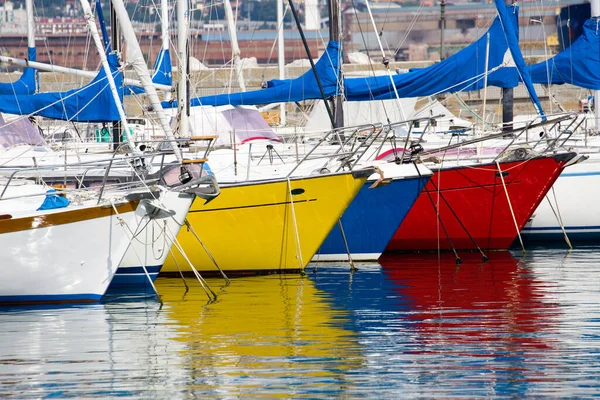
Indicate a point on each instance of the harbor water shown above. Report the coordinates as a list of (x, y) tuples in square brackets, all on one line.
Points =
[(410, 326)]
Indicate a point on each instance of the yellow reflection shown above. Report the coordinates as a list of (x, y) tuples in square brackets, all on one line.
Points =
[(262, 327)]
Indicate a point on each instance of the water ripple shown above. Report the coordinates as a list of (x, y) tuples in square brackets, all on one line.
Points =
[(415, 326)]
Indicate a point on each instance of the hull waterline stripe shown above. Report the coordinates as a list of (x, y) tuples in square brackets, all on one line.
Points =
[(254, 206), (52, 298)]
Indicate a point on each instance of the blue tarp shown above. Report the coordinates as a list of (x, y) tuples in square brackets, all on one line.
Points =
[(105, 37), (91, 103), (577, 65), (304, 87), (461, 71), (511, 29), (162, 72), (26, 83)]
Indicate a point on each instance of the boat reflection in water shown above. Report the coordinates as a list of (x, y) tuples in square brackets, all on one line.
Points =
[(275, 335), (470, 302), (271, 335), (413, 327), (100, 350), (478, 319)]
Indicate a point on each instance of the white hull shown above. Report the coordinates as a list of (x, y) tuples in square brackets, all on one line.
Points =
[(153, 241), (578, 195), (71, 259)]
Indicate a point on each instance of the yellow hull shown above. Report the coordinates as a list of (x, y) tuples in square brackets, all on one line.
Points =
[(250, 226)]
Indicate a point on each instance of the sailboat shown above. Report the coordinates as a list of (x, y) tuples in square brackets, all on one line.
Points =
[(479, 191), (62, 249), (564, 215), (482, 206), (101, 101), (269, 225), (370, 221)]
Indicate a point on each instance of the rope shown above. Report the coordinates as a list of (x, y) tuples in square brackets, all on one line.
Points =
[(191, 229), (352, 267), (203, 283), (298, 247), (510, 207), (187, 288), (559, 217)]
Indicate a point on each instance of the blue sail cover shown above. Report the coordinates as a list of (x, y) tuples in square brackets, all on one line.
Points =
[(577, 65), (90, 103), (162, 72), (26, 83), (461, 71), (304, 87), (511, 29)]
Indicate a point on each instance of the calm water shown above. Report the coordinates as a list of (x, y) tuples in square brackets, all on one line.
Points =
[(412, 327)]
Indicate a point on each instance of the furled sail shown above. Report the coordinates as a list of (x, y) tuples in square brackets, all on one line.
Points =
[(511, 29), (304, 87), (26, 84), (90, 103), (577, 65)]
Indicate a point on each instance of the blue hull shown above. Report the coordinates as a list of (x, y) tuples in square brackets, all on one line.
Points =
[(372, 219), (134, 277)]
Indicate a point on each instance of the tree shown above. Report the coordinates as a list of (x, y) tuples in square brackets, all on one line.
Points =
[(266, 10)]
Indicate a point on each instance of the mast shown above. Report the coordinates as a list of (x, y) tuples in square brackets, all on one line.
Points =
[(31, 36), (183, 103), (281, 56), (335, 33), (115, 41), (235, 48), (442, 27), (386, 63), (91, 23), (164, 28), (312, 63), (164, 23), (595, 6), (139, 64), (30, 26)]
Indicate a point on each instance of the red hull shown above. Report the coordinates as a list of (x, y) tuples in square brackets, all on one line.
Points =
[(475, 197)]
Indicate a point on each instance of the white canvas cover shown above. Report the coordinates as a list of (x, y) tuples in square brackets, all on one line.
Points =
[(231, 124)]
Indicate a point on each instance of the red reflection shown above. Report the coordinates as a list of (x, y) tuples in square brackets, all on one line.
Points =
[(498, 301)]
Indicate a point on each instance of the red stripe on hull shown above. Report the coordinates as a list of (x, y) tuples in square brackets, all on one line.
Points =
[(475, 196)]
